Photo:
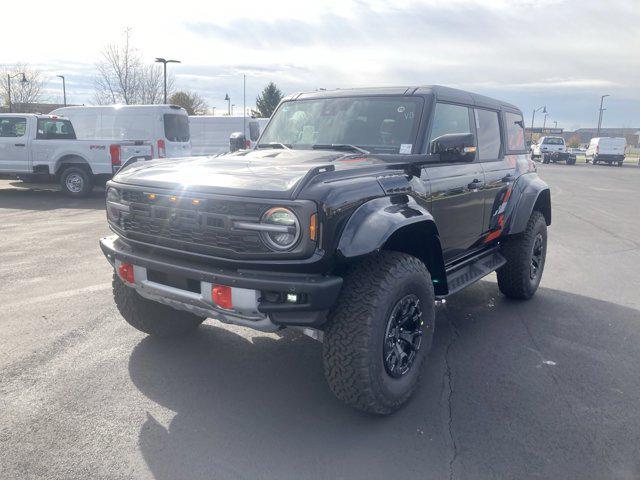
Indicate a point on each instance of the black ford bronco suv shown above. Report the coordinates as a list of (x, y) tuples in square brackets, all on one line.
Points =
[(354, 213)]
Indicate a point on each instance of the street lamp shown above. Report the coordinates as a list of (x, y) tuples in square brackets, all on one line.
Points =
[(232, 108), (164, 63), (64, 90), (600, 115), (9, 77), (228, 99), (544, 122), (533, 116)]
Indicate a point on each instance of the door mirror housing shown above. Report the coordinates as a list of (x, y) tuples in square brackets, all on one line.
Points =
[(454, 147)]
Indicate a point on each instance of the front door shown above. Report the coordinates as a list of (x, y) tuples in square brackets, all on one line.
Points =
[(14, 155), (457, 197)]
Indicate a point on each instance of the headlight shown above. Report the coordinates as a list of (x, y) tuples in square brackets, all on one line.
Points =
[(114, 207), (280, 228)]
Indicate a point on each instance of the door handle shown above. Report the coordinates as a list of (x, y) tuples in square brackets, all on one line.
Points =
[(20, 144), (507, 178), (475, 184)]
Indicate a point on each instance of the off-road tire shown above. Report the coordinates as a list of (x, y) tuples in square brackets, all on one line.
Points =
[(514, 278), (150, 317), (355, 334), (546, 159), (82, 186)]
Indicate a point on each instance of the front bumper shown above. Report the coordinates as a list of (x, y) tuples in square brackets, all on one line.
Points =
[(255, 289)]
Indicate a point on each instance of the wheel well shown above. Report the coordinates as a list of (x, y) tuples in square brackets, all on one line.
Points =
[(71, 160), (421, 240), (543, 205)]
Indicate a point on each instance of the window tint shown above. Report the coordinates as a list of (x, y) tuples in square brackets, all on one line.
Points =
[(55, 129), (488, 129), (450, 119), (12, 126), (176, 127), (515, 131), (380, 125)]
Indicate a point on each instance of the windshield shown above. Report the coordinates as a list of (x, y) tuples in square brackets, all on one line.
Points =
[(176, 127), (379, 125)]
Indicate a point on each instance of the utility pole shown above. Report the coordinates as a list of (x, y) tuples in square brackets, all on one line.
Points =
[(600, 114), (228, 99), (9, 77), (64, 90), (164, 62), (533, 116), (555, 124)]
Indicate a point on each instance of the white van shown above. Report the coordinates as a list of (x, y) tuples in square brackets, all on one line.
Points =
[(210, 135), (607, 150), (165, 126)]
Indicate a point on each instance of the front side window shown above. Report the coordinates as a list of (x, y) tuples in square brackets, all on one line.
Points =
[(488, 128), (515, 131), (449, 118), (55, 129), (11, 127), (176, 127), (376, 124)]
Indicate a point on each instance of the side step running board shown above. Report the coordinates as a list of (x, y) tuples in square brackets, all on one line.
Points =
[(460, 276)]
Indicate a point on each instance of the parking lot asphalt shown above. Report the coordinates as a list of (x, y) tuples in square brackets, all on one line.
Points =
[(547, 388)]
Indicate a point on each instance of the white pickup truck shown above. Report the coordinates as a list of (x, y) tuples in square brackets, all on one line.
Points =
[(44, 148)]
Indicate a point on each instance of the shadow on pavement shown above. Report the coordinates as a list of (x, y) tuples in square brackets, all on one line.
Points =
[(44, 197), (546, 388)]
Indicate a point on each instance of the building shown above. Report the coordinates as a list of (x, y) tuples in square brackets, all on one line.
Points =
[(43, 108), (584, 135)]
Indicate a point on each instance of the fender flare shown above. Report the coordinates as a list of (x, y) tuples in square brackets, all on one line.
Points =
[(375, 224), (529, 192)]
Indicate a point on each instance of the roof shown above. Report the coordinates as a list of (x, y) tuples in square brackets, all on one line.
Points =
[(439, 91)]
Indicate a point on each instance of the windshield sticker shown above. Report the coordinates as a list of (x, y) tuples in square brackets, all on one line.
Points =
[(405, 148)]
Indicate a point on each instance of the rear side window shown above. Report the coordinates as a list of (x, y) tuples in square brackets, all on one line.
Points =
[(12, 127), (449, 119), (488, 128), (55, 129), (515, 132), (176, 127)]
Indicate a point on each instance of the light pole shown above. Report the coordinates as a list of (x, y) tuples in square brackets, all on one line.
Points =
[(555, 124), (600, 115), (544, 122), (9, 77), (232, 108), (164, 63), (533, 116), (228, 99), (64, 90)]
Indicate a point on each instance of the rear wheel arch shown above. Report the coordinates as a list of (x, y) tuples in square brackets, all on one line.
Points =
[(71, 160)]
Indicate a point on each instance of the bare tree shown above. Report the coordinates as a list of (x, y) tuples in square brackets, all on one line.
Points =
[(124, 78), (193, 103), (21, 92)]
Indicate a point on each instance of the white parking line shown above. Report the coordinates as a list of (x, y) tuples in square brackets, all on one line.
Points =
[(58, 295)]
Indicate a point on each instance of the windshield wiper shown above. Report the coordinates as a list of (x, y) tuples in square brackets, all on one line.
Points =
[(274, 145), (340, 146)]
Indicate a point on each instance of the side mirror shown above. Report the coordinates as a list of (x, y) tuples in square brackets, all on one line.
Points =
[(454, 147), (237, 141)]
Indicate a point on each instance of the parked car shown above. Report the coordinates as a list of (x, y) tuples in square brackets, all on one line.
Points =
[(547, 145), (608, 150), (210, 135), (45, 148), (355, 212), (166, 127)]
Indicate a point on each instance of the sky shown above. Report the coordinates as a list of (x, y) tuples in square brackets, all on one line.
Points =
[(562, 54)]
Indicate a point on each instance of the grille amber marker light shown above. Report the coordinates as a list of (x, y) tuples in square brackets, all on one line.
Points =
[(313, 227), (151, 196), (173, 198), (195, 202)]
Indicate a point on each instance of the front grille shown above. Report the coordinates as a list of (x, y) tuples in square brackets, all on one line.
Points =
[(205, 227)]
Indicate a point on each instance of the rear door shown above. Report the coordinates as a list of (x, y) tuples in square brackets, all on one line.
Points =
[(176, 135), (457, 198), (499, 170), (14, 154)]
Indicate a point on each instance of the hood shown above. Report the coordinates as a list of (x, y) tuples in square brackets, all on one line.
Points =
[(258, 173)]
